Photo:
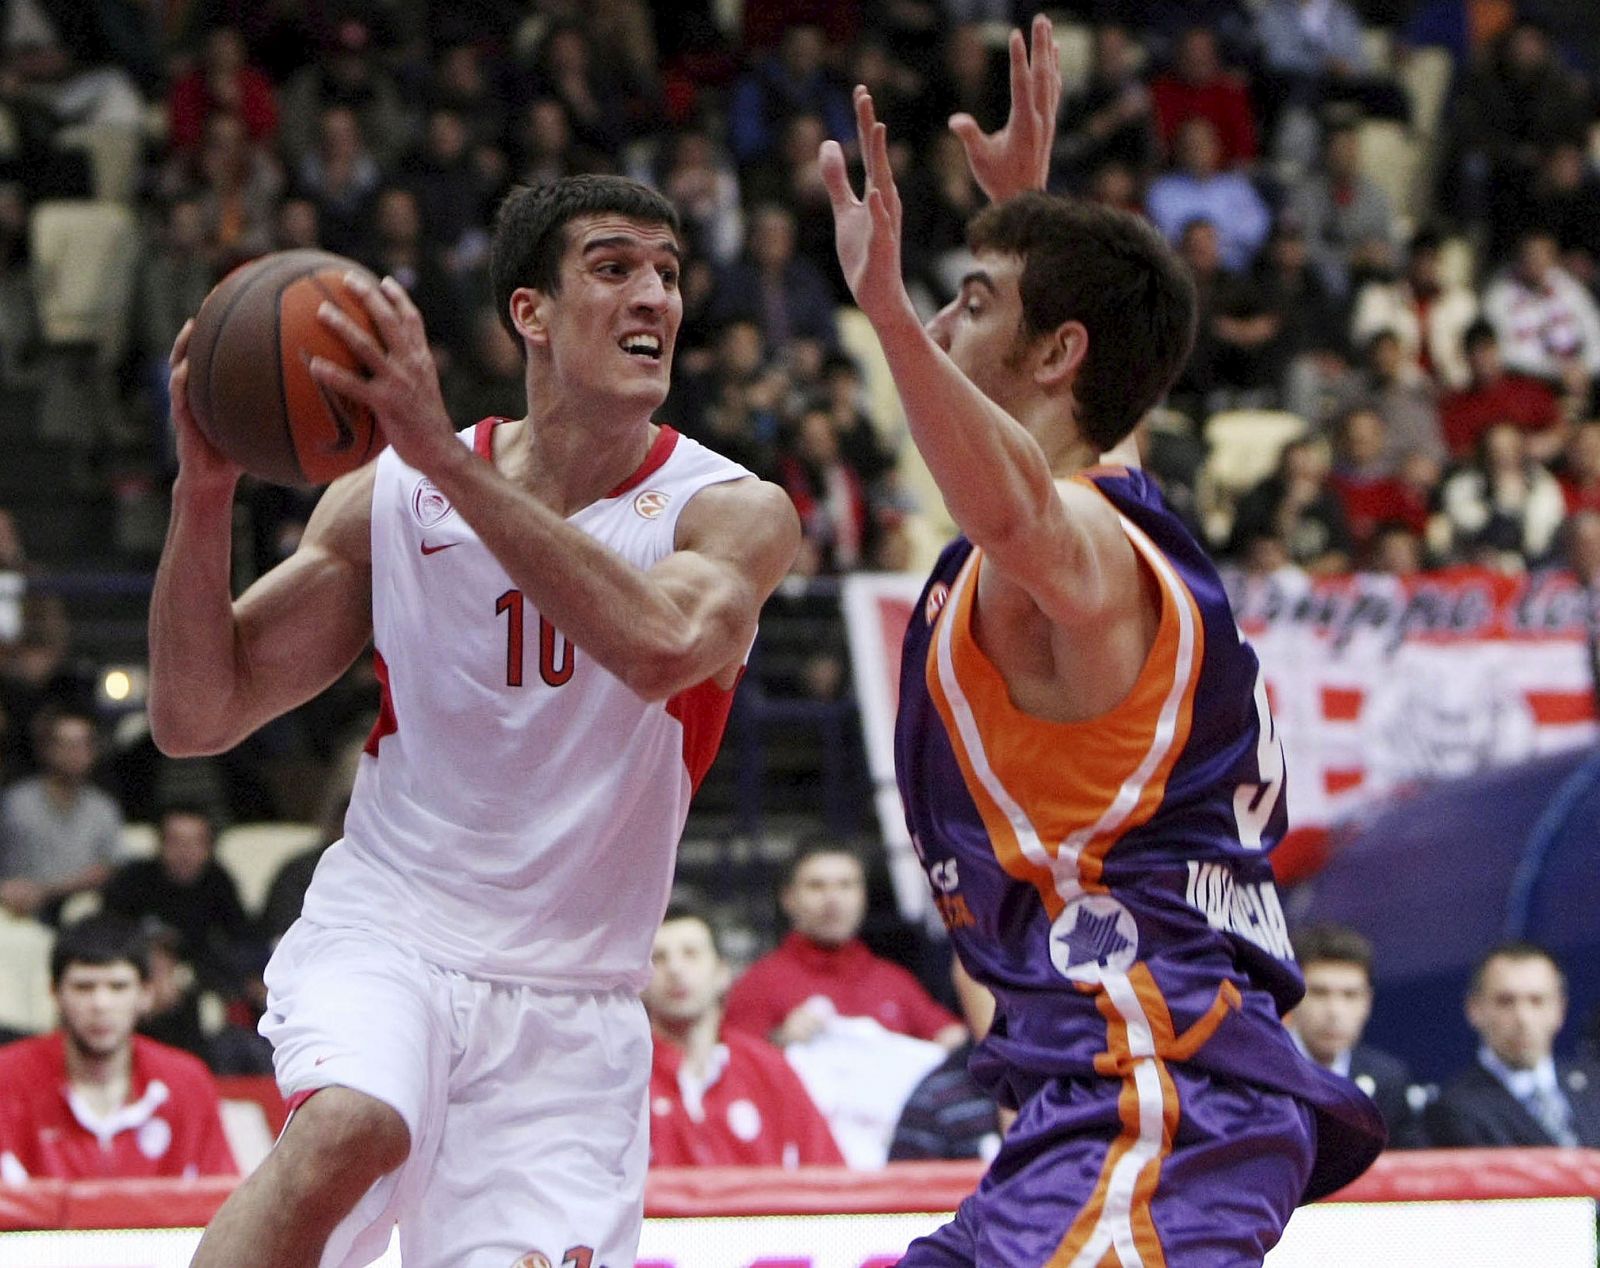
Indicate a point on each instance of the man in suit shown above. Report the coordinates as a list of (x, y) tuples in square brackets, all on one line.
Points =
[(1518, 1093), (1328, 1022)]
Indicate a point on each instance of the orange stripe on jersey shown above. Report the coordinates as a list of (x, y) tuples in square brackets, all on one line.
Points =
[(1057, 796), (1117, 1216), (1012, 836)]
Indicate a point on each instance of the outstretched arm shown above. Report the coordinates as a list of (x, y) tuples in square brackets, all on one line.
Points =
[(689, 618), (221, 667), (1052, 541), (1016, 158)]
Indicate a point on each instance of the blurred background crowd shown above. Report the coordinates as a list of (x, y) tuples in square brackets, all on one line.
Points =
[(1391, 208)]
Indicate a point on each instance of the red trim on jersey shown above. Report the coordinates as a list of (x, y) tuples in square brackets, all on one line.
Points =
[(702, 711), (483, 437), (660, 450), (387, 723)]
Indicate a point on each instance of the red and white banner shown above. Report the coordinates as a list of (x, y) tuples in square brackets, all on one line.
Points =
[(1376, 682), (1379, 683)]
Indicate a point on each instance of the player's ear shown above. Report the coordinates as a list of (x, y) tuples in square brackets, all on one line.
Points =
[(1062, 352), (530, 314)]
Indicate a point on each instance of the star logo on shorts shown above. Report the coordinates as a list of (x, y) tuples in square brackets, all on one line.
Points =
[(1092, 934)]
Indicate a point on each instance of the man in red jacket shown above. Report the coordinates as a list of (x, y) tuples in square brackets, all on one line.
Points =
[(718, 1098), (822, 968), (92, 1100)]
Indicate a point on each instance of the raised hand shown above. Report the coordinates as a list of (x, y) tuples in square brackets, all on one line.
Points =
[(866, 230), (201, 462), (399, 381), (1017, 157)]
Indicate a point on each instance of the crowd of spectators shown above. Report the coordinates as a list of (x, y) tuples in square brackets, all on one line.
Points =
[(1442, 359), (388, 132)]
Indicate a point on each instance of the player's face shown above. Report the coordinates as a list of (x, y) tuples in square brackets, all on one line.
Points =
[(1518, 1010), (99, 1005), (612, 326), (1334, 1012), (827, 899), (687, 976), (981, 328)]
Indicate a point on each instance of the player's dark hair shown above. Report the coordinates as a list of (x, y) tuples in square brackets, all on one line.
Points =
[(1114, 273), (812, 847), (530, 229), (682, 908), (1332, 944), (1517, 949), (98, 941)]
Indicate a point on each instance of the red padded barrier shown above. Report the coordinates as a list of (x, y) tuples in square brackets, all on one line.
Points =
[(687, 1192)]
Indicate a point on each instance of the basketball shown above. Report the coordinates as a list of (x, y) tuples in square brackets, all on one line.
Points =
[(250, 384)]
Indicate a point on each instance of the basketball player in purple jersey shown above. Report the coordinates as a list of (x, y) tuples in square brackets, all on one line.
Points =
[(560, 606), (1090, 771)]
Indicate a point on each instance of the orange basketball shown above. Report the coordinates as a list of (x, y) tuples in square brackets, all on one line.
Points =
[(250, 384)]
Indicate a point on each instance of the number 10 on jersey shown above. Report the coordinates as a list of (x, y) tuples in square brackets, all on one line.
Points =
[(557, 656)]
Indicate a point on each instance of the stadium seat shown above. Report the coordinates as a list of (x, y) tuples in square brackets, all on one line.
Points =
[(1391, 157), (1075, 43), (139, 841), (1379, 45), (85, 262), (1242, 449), (25, 1002), (249, 1137), (1426, 76), (253, 852), (114, 154)]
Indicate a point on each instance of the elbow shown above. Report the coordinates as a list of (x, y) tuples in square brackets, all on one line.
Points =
[(176, 734), (657, 675)]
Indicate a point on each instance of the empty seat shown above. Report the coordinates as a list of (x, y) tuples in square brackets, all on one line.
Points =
[(253, 852), (1242, 448), (85, 262), (25, 1001)]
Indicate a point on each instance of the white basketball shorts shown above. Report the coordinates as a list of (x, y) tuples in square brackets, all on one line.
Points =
[(529, 1137)]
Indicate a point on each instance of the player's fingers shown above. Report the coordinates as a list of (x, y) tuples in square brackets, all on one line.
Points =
[(336, 378), (835, 179), (884, 183), (367, 350), (376, 302), (180, 345), (866, 123), (400, 298), (1019, 74)]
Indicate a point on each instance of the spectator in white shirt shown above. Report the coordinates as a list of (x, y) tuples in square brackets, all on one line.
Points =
[(1549, 325)]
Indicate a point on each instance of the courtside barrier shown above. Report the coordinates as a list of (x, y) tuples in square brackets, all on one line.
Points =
[(1463, 1208)]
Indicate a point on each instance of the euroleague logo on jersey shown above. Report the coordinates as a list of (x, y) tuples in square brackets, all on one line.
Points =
[(651, 504), (938, 594), (428, 504)]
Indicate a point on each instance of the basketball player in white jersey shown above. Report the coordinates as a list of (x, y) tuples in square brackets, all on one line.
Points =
[(560, 606)]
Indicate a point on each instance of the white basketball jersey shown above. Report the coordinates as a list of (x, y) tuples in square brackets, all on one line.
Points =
[(517, 810)]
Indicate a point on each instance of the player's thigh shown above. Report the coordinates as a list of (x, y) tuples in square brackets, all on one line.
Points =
[(1088, 1174), (949, 1246), (546, 1140), (349, 1010), (1240, 1161)]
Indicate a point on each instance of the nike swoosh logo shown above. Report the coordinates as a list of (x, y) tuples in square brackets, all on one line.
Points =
[(318, 1062), (339, 411), (434, 550)]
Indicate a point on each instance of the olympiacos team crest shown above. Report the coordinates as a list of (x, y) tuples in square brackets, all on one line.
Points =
[(428, 505)]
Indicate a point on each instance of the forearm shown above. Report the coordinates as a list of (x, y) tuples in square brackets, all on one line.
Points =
[(91, 877), (616, 612), (193, 638), (991, 472)]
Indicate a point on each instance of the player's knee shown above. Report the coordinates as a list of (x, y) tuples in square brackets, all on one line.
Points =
[(346, 1134)]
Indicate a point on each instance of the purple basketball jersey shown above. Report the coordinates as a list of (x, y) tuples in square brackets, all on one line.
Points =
[(1108, 880)]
